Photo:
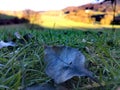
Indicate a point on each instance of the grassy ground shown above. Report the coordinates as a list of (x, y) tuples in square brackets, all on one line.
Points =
[(26, 67)]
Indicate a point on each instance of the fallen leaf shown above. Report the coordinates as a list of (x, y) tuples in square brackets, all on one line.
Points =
[(65, 62), (46, 86), (17, 34), (41, 87), (6, 44), (22, 39)]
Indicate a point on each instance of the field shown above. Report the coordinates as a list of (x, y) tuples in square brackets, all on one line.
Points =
[(57, 19), (26, 67)]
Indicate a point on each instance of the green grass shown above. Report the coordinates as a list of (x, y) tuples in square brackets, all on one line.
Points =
[(26, 67)]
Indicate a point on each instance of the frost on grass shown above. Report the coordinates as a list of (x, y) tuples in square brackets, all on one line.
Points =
[(65, 62)]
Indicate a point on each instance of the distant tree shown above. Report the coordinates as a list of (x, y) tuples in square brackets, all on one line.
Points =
[(113, 3)]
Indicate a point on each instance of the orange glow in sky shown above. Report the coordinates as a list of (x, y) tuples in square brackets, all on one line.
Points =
[(41, 5)]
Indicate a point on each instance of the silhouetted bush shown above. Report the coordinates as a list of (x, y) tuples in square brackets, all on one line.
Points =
[(8, 20)]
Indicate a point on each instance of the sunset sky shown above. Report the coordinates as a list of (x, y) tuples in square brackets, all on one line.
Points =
[(41, 5)]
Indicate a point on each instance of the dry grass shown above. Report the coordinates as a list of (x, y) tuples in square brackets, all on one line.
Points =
[(59, 20)]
